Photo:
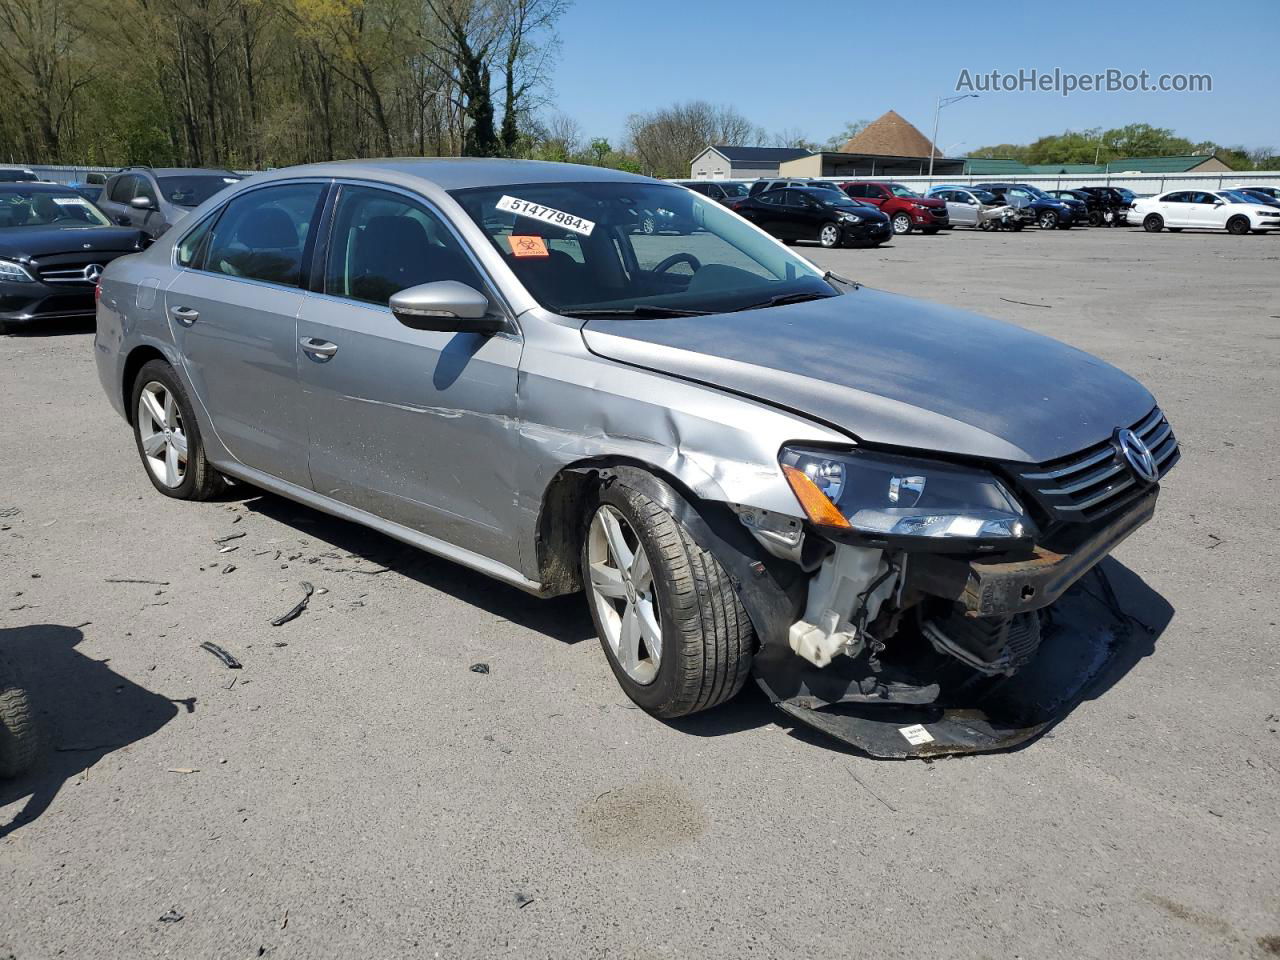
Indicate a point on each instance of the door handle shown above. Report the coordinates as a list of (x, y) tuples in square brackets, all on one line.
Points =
[(318, 350), (185, 315)]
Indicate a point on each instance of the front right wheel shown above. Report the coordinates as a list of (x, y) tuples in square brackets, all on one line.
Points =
[(672, 627)]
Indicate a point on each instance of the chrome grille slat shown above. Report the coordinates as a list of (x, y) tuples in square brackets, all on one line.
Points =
[(1098, 480)]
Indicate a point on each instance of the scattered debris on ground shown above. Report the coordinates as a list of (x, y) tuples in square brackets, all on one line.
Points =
[(171, 916), (154, 583), (479, 668), (222, 654), (229, 536), (301, 605)]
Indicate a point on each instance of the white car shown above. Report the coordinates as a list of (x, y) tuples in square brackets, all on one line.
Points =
[(1203, 210)]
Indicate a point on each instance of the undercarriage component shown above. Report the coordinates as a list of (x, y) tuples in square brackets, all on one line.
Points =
[(989, 645), (844, 595)]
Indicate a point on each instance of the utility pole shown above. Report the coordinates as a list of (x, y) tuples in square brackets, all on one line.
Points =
[(933, 144)]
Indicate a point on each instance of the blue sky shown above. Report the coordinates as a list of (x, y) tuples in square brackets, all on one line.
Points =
[(814, 67)]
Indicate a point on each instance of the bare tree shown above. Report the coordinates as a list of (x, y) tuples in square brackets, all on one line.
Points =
[(666, 140)]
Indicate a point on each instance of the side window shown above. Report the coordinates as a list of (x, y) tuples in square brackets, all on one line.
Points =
[(261, 234), (770, 197), (192, 247), (715, 193), (121, 189), (1176, 198), (384, 242), (143, 188), (857, 190)]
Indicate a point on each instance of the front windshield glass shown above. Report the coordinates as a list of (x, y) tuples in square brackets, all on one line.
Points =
[(898, 190), (635, 248), (21, 207), (17, 176), (1237, 197), (191, 190)]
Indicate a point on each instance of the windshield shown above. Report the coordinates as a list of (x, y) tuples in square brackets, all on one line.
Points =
[(1035, 192), (620, 247), (1128, 195), (985, 196), (898, 190), (1237, 197), (17, 176), (44, 208), (734, 189), (191, 190)]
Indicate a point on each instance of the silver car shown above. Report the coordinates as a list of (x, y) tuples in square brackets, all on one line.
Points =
[(750, 466), (978, 208)]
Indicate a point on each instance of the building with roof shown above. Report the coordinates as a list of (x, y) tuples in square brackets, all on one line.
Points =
[(887, 147), (890, 136), (723, 162)]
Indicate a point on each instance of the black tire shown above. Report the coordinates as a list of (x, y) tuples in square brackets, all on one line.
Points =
[(1153, 223), (1238, 226), (1047, 219), (901, 224), (18, 740), (708, 641), (1096, 218), (829, 235), (201, 480)]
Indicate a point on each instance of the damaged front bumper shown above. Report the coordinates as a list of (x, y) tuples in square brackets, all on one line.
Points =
[(945, 691)]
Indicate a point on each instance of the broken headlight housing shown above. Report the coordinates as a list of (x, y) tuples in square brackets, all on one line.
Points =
[(885, 497)]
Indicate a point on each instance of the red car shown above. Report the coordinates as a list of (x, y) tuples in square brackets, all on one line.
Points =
[(907, 210)]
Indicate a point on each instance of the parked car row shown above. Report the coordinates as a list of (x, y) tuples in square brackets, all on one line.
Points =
[(814, 209)]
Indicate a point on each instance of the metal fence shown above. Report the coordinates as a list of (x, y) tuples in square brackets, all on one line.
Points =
[(1141, 183)]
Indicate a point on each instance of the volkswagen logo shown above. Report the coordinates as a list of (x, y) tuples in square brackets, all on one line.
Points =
[(1136, 454), (93, 273)]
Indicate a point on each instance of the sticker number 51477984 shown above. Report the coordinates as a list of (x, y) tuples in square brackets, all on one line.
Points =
[(537, 211)]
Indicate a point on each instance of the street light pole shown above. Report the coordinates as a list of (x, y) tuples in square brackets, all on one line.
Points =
[(937, 113)]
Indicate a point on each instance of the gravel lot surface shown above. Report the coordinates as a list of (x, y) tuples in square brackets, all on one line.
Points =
[(358, 791)]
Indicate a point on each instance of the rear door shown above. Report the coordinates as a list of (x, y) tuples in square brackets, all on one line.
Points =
[(414, 426), (233, 311), (1175, 208)]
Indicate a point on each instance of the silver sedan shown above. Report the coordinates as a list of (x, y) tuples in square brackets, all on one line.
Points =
[(752, 467)]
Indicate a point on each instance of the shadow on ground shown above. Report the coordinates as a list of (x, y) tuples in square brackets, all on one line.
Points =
[(562, 618), (84, 710), (60, 327)]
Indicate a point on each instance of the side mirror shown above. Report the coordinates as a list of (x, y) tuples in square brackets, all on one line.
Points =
[(141, 203), (445, 305), (1217, 203)]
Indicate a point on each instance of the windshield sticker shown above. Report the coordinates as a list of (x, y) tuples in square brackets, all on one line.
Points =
[(916, 734), (522, 246), (536, 211), (230, 179), (70, 201)]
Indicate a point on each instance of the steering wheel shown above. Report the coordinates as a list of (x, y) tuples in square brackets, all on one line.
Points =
[(694, 263)]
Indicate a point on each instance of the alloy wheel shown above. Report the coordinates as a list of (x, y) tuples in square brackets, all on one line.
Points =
[(829, 236), (622, 591), (901, 224), (1048, 220), (649, 226), (164, 441)]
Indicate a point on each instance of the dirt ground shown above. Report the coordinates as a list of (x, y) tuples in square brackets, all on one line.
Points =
[(356, 790)]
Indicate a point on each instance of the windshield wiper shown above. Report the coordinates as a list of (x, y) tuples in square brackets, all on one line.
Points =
[(639, 310), (785, 298)]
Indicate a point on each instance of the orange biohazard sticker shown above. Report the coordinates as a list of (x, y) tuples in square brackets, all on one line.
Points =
[(525, 246)]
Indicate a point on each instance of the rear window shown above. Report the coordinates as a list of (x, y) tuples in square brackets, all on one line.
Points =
[(191, 190)]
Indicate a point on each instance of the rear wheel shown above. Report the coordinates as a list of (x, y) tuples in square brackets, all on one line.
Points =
[(671, 625), (1238, 225), (1047, 220), (168, 436), (901, 223), (1154, 223), (829, 235), (1096, 218)]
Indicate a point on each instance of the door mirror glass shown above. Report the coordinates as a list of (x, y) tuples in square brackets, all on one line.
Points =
[(446, 305), (141, 203)]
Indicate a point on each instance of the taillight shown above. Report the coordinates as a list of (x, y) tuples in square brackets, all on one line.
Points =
[(97, 291)]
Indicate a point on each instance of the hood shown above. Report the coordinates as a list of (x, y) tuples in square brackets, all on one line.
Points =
[(38, 242), (925, 201), (894, 371)]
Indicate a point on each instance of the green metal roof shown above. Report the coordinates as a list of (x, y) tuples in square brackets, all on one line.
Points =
[(1156, 164), (991, 166)]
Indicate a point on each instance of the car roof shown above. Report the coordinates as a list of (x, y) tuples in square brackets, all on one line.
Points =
[(40, 186), (179, 171), (458, 173)]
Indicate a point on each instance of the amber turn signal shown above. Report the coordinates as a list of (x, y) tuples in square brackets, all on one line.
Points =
[(820, 510)]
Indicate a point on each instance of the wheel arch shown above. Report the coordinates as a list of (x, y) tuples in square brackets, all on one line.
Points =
[(138, 357)]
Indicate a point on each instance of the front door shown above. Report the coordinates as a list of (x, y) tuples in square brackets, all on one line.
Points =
[(414, 426), (233, 312)]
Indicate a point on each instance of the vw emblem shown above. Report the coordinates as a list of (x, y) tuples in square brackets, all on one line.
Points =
[(1137, 455), (93, 273)]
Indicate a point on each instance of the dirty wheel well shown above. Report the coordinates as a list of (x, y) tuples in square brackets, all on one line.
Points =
[(563, 519), (139, 357)]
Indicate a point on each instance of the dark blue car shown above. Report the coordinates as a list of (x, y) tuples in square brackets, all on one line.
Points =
[(1049, 211)]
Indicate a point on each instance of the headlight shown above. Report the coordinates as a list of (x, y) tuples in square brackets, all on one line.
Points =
[(848, 217), (15, 271), (885, 496)]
